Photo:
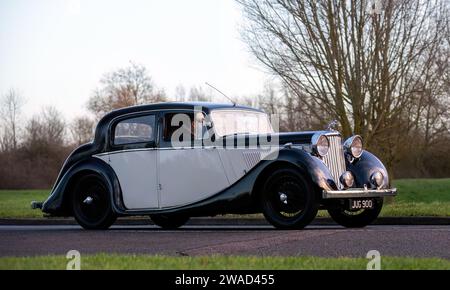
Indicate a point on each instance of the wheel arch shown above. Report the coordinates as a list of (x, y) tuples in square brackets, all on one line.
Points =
[(71, 184), (58, 203), (270, 169), (310, 167)]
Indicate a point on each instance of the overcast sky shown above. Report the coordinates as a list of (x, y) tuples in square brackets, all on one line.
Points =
[(55, 51)]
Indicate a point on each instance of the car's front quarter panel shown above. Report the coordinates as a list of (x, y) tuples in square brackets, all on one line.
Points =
[(363, 168), (307, 163)]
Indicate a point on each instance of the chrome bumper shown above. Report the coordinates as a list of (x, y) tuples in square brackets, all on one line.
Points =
[(358, 193)]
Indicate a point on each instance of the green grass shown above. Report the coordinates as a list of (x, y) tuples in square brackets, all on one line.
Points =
[(423, 190), (106, 261), (16, 203), (417, 197)]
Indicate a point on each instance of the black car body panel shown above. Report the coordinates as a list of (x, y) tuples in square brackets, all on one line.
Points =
[(363, 168)]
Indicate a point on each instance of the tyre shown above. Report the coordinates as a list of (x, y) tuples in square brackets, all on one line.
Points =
[(288, 200), (91, 204), (356, 219), (169, 222)]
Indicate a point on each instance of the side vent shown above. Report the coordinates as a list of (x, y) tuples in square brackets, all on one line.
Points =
[(251, 158)]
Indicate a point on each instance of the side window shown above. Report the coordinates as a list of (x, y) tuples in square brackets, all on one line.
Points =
[(178, 122), (135, 130), (181, 129)]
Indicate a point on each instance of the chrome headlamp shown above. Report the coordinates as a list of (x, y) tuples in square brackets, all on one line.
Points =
[(354, 146), (320, 144)]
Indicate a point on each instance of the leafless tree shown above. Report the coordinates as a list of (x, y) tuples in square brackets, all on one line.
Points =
[(45, 130), (296, 116), (124, 87), (343, 60), (11, 105), (82, 130), (198, 94), (180, 93), (250, 101), (269, 100), (43, 147)]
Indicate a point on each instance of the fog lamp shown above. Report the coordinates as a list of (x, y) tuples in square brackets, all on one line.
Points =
[(377, 179), (347, 179)]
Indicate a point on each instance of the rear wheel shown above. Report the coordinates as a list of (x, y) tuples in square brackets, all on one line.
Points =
[(288, 200), (358, 218), (169, 222), (91, 204)]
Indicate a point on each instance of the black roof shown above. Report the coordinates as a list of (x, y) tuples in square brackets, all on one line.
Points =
[(206, 106)]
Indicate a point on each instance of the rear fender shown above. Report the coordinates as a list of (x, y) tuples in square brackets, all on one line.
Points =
[(58, 202)]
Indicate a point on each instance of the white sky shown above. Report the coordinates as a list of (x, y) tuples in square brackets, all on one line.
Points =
[(55, 51)]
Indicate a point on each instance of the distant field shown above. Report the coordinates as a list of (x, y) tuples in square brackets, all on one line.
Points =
[(417, 197), (105, 261)]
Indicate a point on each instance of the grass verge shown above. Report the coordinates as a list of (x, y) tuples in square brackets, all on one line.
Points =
[(16, 203), (417, 197), (128, 262)]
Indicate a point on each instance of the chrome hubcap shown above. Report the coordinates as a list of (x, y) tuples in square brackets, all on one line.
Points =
[(89, 200), (283, 197)]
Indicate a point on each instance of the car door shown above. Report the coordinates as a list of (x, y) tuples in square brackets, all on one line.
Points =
[(134, 160), (188, 171)]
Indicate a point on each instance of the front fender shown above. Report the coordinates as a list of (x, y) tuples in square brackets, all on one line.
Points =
[(363, 168), (310, 165), (57, 203)]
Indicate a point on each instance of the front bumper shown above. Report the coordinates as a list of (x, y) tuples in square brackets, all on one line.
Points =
[(358, 193)]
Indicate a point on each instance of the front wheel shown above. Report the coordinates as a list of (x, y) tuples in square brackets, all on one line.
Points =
[(169, 222), (91, 204), (288, 200), (356, 219)]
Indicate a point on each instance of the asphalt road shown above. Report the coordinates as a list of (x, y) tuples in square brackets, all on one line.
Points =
[(326, 241)]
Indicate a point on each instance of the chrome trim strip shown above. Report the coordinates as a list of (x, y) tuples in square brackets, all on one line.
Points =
[(358, 193), (260, 148)]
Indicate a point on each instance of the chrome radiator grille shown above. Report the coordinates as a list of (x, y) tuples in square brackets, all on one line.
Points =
[(335, 158)]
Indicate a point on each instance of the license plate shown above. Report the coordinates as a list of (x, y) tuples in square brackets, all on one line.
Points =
[(356, 204)]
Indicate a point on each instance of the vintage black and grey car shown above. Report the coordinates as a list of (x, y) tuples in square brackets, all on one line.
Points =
[(173, 161)]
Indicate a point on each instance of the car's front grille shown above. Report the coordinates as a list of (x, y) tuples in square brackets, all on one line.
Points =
[(335, 158)]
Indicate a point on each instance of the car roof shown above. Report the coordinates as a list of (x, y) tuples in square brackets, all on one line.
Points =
[(206, 106)]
